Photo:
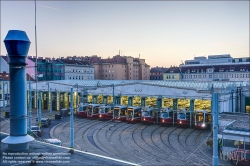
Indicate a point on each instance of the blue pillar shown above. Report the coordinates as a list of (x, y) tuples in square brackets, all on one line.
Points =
[(113, 94), (191, 111), (71, 120), (159, 105), (48, 97), (40, 108), (29, 111), (17, 45), (50, 104), (215, 127), (4, 109)]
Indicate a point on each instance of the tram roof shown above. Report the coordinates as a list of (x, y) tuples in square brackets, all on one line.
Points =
[(65, 85)]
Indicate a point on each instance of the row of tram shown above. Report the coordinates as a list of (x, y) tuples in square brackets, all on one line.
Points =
[(200, 119)]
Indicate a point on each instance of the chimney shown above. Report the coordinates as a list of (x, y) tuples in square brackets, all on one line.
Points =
[(17, 45)]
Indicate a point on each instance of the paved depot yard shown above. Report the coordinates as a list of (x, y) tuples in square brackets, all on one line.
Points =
[(135, 143)]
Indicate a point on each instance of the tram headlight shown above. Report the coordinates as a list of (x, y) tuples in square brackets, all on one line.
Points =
[(203, 125), (163, 120), (180, 121), (144, 119)]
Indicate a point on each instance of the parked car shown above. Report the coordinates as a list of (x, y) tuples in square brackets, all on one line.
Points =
[(45, 122), (36, 130), (53, 141)]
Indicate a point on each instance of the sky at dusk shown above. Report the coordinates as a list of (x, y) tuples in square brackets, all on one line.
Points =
[(164, 33)]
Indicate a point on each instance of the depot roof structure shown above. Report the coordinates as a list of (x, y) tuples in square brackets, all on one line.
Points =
[(206, 86)]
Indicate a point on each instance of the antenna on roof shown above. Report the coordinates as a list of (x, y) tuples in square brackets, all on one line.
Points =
[(139, 56)]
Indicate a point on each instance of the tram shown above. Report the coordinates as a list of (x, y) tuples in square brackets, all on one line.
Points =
[(120, 113), (93, 111), (202, 119), (167, 117), (149, 115), (183, 118), (134, 115), (82, 110), (106, 112)]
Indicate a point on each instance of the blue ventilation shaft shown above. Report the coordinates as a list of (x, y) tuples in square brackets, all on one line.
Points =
[(17, 45)]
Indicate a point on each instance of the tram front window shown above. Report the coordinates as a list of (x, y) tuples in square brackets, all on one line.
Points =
[(137, 113), (96, 109), (130, 113), (123, 112), (199, 118), (89, 110), (181, 116), (145, 113), (164, 115), (84, 108), (116, 112), (102, 110)]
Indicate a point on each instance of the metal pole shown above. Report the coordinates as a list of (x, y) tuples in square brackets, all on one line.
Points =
[(113, 85), (29, 111), (36, 73), (7, 93), (50, 93), (191, 111), (76, 95), (232, 100), (4, 109), (40, 107), (71, 120), (82, 96), (48, 97), (215, 127)]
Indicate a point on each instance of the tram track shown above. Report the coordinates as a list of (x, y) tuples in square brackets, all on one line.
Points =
[(157, 141), (101, 143), (158, 159), (199, 158), (106, 143), (82, 136), (130, 154), (186, 148)]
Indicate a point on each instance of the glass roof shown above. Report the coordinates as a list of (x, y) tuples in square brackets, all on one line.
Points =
[(183, 84)]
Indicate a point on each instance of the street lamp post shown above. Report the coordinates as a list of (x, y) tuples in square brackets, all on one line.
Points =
[(50, 93), (48, 96), (71, 121), (76, 95), (29, 110)]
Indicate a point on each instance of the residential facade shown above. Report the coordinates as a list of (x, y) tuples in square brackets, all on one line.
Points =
[(223, 68), (77, 69), (48, 68), (173, 73), (156, 73), (120, 68)]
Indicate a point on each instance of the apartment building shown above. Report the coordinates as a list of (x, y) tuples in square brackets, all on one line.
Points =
[(120, 68), (48, 68), (215, 68), (77, 69), (156, 73)]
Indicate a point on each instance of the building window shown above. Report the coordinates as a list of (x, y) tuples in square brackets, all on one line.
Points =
[(210, 76)]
